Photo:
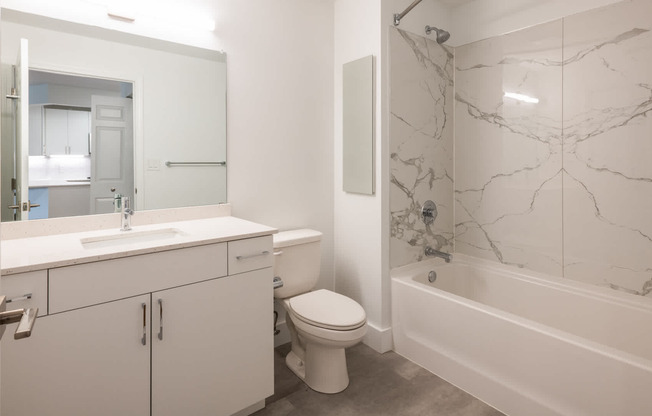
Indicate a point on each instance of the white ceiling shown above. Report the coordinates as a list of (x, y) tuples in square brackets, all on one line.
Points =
[(454, 3), (38, 77)]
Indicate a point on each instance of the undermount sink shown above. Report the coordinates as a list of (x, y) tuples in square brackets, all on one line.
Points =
[(130, 237)]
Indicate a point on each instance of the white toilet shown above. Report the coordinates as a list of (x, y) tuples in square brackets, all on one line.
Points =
[(321, 323)]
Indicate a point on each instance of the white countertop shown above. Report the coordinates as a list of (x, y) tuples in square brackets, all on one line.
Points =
[(38, 253)]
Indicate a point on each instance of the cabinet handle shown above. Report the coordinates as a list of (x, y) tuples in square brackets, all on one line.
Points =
[(24, 317), (144, 340), (26, 296), (160, 329), (264, 253)]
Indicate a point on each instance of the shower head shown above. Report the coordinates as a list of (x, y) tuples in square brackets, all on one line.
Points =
[(442, 35)]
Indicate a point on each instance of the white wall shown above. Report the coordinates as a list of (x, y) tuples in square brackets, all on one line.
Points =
[(279, 115), (358, 218)]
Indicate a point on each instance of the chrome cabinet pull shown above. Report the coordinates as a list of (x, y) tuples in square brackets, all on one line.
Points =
[(160, 329), (144, 340), (251, 256), (26, 323), (25, 318), (26, 296)]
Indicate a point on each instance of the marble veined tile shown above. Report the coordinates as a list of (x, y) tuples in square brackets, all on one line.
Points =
[(421, 144), (608, 147), (508, 154)]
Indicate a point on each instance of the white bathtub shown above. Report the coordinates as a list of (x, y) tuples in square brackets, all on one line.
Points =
[(526, 344)]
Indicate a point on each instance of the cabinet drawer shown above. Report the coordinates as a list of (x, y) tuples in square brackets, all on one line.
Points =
[(17, 287), (250, 254), (88, 284)]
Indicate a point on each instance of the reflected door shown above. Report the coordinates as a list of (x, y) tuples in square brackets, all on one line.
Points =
[(21, 104), (112, 151)]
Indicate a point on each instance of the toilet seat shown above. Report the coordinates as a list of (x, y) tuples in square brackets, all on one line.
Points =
[(329, 310)]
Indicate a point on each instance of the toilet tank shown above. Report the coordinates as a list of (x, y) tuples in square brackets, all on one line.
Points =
[(297, 258)]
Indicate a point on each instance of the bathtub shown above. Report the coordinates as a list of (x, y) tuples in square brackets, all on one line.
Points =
[(527, 344)]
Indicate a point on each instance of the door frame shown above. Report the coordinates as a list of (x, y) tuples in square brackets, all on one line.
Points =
[(138, 113)]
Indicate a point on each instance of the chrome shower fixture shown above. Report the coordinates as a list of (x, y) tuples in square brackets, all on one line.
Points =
[(442, 35), (399, 16), (428, 212)]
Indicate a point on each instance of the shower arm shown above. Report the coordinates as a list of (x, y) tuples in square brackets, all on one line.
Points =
[(399, 16)]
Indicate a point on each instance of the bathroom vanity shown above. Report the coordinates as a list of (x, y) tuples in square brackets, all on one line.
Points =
[(166, 319)]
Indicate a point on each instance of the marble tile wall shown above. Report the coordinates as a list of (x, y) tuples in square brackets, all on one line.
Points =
[(508, 158), (562, 185), (421, 145), (608, 147)]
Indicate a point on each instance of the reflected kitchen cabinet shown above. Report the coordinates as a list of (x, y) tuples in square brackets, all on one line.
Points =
[(66, 130)]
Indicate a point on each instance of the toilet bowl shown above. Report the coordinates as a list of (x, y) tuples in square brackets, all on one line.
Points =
[(321, 323)]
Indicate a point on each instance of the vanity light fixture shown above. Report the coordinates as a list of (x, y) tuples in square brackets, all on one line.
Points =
[(164, 18), (522, 97), (121, 13)]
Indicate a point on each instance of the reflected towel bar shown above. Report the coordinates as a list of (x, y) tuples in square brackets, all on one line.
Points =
[(173, 164)]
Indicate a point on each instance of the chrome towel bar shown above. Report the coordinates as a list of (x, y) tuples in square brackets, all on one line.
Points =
[(173, 164)]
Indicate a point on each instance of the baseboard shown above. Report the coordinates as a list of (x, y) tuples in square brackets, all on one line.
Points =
[(379, 339), (251, 409)]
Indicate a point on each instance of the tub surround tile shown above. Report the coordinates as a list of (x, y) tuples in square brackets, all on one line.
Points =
[(508, 160), (421, 145), (560, 185), (608, 147)]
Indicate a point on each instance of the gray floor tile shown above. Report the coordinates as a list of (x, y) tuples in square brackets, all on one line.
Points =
[(380, 384)]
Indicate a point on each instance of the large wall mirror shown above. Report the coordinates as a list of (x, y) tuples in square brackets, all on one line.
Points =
[(92, 115)]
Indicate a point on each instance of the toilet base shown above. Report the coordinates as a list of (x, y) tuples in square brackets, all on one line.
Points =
[(326, 368)]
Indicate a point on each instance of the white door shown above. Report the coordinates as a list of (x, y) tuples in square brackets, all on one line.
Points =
[(112, 151), (22, 133)]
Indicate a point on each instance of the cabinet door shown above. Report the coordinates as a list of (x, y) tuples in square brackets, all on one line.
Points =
[(79, 132), (88, 361), (56, 131), (216, 353), (35, 130)]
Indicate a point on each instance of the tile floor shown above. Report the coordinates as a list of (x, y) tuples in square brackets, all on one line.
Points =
[(380, 384)]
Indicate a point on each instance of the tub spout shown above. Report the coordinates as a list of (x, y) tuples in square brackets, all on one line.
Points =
[(430, 252)]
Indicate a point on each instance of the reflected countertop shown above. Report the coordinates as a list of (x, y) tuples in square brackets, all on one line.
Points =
[(47, 183)]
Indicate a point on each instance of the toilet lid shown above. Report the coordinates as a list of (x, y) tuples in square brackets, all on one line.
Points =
[(329, 310)]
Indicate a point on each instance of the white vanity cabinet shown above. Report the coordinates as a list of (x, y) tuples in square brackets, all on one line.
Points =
[(87, 361), (168, 333)]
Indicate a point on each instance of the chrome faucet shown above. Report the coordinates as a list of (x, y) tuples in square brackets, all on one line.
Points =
[(431, 252), (126, 214)]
